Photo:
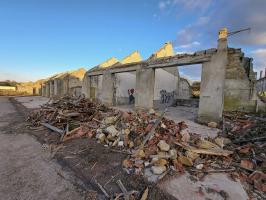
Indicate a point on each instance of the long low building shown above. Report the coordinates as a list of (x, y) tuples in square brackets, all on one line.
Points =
[(10, 88), (66, 83)]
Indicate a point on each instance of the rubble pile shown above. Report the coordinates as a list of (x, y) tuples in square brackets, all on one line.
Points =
[(248, 136), (157, 145)]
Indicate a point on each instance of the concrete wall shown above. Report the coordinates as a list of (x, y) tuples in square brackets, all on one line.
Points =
[(58, 87), (184, 89), (165, 80), (75, 85), (74, 82), (108, 82), (96, 83), (86, 85)]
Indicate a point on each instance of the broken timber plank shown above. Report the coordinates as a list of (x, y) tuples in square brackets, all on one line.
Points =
[(53, 128), (213, 151), (152, 131)]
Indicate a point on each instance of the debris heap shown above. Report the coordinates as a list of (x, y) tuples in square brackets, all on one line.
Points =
[(157, 145)]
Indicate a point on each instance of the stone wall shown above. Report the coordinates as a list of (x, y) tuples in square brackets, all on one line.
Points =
[(240, 92)]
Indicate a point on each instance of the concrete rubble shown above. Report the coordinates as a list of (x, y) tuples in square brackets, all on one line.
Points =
[(158, 147)]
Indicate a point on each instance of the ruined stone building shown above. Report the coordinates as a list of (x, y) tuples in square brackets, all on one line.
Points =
[(227, 80)]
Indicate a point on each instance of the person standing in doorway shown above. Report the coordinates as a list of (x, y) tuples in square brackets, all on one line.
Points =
[(131, 96)]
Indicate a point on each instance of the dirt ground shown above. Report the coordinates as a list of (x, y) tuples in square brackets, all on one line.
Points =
[(37, 166), (26, 168)]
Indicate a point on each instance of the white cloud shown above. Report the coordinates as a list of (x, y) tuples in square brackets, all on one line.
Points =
[(211, 15), (190, 5), (237, 15), (193, 4), (202, 21), (260, 53), (186, 38), (189, 45), (259, 56), (162, 5)]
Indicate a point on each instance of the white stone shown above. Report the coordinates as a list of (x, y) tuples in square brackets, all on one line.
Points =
[(158, 169), (163, 145), (173, 154), (112, 130), (163, 126), (151, 111), (101, 137), (120, 143), (199, 166)]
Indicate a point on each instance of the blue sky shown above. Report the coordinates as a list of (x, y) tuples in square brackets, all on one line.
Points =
[(39, 38)]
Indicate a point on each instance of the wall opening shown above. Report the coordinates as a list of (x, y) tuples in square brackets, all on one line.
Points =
[(125, 88), (165, 86), (189, 86), (178, 89)]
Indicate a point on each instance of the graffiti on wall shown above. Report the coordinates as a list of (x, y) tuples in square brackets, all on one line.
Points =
[(167, 97)]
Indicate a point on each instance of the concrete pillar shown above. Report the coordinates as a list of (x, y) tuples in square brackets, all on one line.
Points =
[(212, 85), (43, 90), (108, 88), (66, 86), (56, 93), (47, 87), (86, 86), (51, 88), (145, 79)]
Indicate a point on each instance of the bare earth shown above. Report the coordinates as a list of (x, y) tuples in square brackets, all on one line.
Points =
[(26, 169)]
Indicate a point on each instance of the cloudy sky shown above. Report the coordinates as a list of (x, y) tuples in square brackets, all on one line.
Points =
[(41, 37)]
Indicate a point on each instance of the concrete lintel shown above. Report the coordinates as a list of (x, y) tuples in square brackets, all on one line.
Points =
[(175, 61), (115, 70)]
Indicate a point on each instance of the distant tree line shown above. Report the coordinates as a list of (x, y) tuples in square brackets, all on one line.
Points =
[(8, 83)]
